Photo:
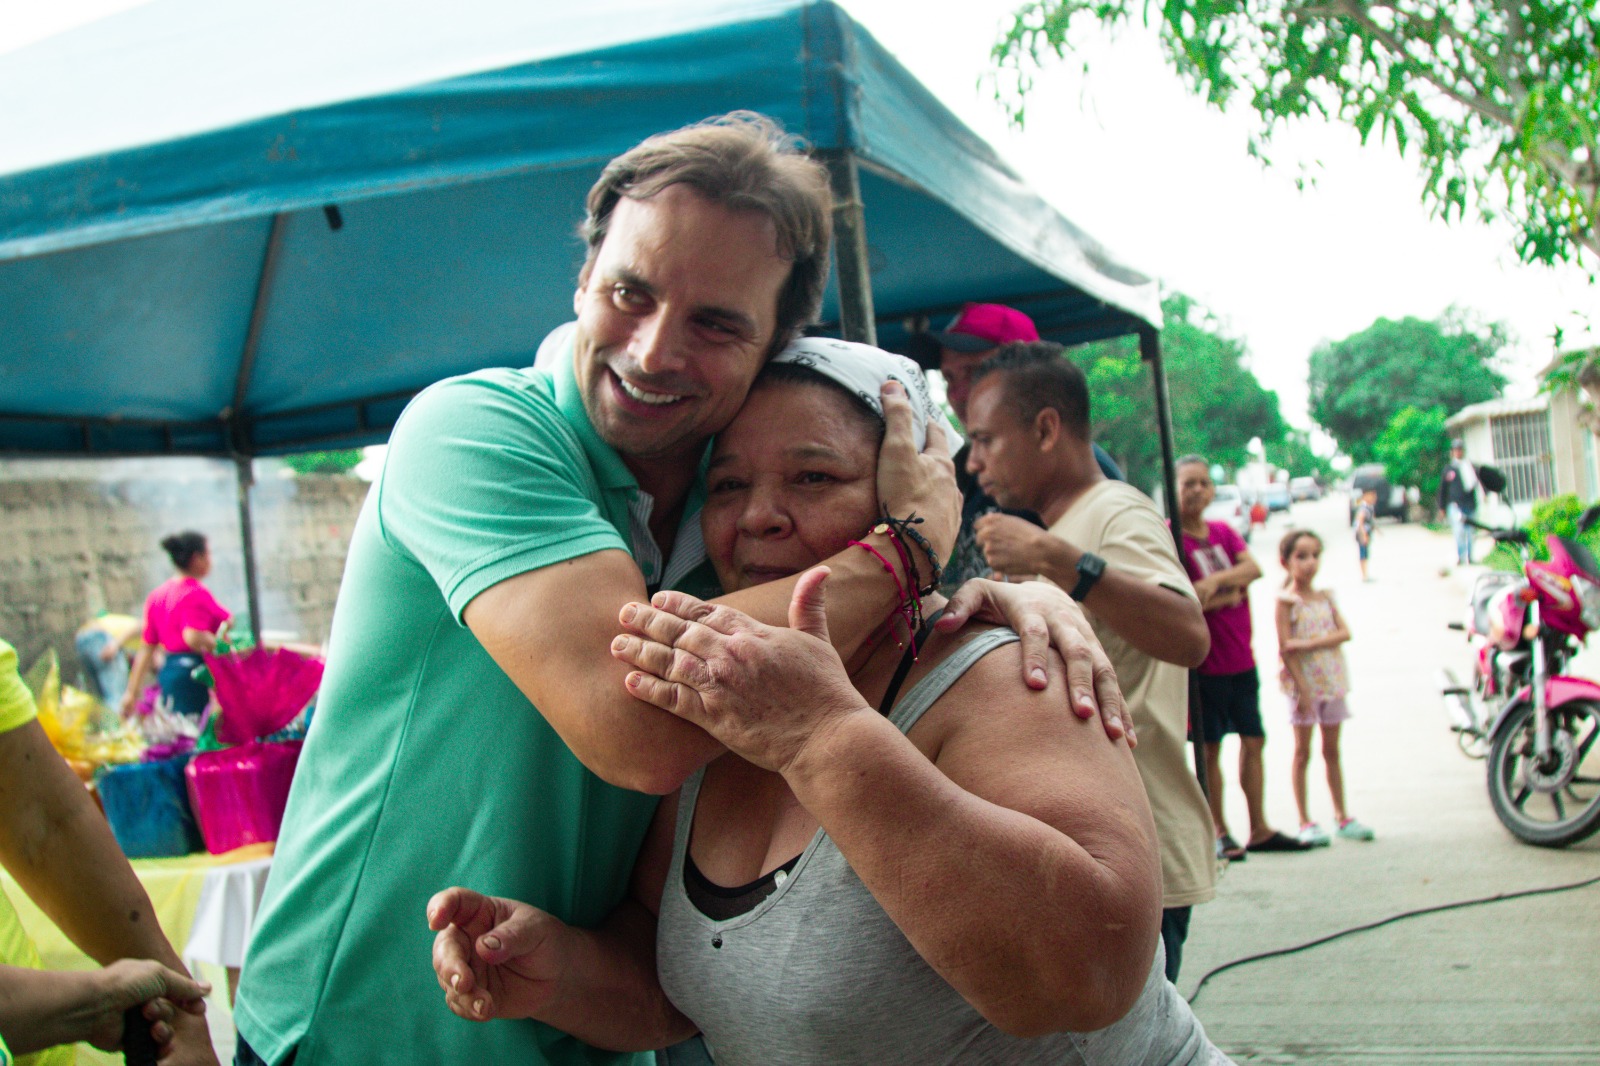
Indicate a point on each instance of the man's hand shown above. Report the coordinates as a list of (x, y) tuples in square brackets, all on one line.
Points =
[(1046, 618), (765, 692), (496, 958), (921, 483), (1013, 545)]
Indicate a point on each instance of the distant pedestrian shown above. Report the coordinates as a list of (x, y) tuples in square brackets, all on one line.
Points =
[(1222, 568), (184, 621), (1458, 499), (105, 644), (1365, 524), (1314, 677)]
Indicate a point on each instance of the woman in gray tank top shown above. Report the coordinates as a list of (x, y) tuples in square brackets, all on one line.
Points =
[(969, 877)]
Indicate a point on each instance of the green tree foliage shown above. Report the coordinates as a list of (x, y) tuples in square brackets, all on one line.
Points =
[(1217, 403), (1360, 383), (1293, 453), (1498, 100), (1557, 516), (1414, 447), (341, 461)]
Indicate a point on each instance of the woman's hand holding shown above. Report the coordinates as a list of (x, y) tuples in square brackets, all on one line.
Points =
[(162, 993), (765, 692), (496, 958), (1047, 618), (923, 483)]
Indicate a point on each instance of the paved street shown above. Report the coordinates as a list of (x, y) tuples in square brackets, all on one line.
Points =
[(1509, 982)]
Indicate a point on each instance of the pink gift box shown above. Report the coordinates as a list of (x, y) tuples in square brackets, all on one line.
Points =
[(239, 793)]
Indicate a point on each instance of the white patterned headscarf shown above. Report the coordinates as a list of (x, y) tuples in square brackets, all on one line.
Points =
[(863, 369)]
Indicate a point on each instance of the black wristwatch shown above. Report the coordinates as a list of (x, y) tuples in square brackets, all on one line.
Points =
[(1090, 567)]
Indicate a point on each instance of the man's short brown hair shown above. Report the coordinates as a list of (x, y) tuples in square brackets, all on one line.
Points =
[(744, 162)]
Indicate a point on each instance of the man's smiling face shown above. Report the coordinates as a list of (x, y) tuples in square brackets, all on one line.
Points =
[(675, 317)]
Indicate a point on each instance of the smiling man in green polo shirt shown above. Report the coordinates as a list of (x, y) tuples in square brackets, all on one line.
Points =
[(473, 727)]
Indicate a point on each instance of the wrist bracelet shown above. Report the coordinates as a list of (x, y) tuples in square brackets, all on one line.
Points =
[(906, 527), (910, 609)]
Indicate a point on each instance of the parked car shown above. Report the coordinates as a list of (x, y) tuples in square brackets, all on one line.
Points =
[(1276, 496), (1230, 507), (1304, 488), (1391, 498)]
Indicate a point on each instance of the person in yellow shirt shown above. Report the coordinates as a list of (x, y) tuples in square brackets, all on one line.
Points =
[(61, 851)]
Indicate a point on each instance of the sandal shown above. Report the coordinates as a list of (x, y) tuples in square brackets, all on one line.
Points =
[(1278, 842), (1230, 849)]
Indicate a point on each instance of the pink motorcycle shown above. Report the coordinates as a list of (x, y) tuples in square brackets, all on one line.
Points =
[(1537, 726)]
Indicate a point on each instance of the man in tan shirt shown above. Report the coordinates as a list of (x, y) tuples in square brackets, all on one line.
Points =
[(1028, 424)]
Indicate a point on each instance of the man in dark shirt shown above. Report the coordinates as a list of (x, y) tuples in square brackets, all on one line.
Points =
[(1458, 499)]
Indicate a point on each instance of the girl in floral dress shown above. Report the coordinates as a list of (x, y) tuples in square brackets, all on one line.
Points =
[(1310, 631)]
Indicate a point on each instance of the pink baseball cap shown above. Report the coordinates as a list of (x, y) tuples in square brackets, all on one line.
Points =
[(980, 327)]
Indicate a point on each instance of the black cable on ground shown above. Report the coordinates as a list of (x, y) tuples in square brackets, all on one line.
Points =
[(1497, 898)]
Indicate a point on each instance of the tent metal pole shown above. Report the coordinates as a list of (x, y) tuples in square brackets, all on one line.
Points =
[(1150, 352), (237, 437), (258, 314), (857, 322), (247, 542)]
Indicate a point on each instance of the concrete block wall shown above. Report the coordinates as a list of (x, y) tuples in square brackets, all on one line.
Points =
[(83, 536)]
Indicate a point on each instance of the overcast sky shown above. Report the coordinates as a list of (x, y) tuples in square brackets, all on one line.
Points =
[(1164, 181)]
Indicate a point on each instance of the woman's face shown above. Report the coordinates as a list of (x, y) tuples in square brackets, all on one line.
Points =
[(200, 564), (792, 481)]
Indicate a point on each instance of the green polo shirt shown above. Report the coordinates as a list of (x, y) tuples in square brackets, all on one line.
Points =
[(425, 766)]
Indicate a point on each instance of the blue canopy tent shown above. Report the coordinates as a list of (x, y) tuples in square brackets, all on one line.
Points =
[(256, 228)]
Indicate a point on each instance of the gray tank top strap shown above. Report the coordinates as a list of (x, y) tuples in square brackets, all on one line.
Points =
[(925, 692), (688, 792)]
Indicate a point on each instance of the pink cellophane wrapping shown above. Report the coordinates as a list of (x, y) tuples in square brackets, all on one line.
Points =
[(239, 793), (260, 691)]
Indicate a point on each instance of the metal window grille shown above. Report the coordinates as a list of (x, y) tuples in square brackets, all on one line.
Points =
[(1523, 452)]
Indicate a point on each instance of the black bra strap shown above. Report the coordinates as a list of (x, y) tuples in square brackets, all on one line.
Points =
[(906, 662)]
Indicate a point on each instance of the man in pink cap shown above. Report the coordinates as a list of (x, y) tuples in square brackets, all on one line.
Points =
[(973, 336)]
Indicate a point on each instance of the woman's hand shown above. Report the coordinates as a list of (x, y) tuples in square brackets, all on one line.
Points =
[(922, 483), (763, 691), (126, 983), (496, 958), (1046, 617)]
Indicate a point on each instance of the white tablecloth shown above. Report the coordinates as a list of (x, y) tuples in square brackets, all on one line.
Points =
[(229, 897)]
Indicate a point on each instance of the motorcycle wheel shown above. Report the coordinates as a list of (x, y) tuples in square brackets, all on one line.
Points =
[(1557, 803)]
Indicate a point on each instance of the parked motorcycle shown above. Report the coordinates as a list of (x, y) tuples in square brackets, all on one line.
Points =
[(1538, 728)]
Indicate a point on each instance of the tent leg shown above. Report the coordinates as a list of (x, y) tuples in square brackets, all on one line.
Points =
[(857, 321), (247, 541), (1150, 352)]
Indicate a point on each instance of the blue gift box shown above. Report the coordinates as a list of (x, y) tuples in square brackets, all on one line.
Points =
[(147, 805)]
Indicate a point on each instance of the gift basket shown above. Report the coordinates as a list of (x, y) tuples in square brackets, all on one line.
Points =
[(145, 802), (79, 726), (239, 790)]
